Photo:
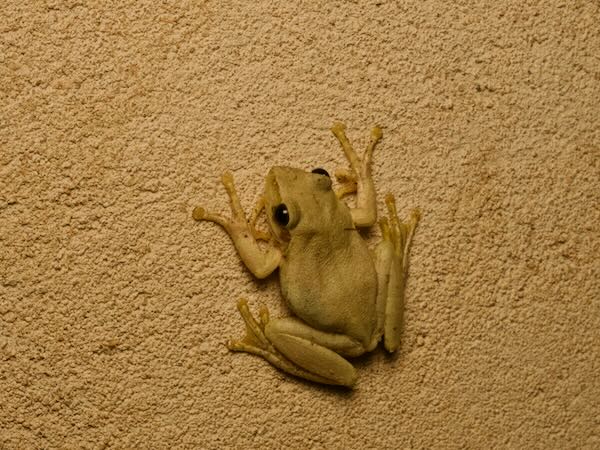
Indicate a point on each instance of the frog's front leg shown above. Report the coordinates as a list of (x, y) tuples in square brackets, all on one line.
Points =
[(359, 178), (260, 262), (298, 349)]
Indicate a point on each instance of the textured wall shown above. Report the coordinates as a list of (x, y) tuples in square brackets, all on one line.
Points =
[(117, 119)]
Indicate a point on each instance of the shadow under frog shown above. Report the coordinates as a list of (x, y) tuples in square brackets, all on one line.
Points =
[(345, 297)]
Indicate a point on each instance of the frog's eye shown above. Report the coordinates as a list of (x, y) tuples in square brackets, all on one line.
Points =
[(282, 214), (320, 171)]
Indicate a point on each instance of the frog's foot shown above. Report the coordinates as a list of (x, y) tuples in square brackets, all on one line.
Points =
[(238, 223), (255, 340), (400, 234), (239, 217), (256, 343)]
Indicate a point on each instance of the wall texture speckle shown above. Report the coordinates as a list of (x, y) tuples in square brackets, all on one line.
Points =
[(117, 118)]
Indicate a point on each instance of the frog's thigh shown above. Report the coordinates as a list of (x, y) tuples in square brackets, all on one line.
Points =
[(313, 350)]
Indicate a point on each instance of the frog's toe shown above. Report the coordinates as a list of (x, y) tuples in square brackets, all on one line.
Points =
[(338, 127), (227, 178), (234, 345), (263, 313), (376, 133), (199, 213), (237, 345), (384, 226), (415, 215), (248, 343)]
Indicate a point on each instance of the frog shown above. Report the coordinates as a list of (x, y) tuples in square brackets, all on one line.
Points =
[(345, 297)]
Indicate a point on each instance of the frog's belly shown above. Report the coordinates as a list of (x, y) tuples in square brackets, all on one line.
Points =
[(339, 299)]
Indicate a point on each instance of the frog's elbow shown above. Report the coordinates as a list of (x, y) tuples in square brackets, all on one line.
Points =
[(267, 266)]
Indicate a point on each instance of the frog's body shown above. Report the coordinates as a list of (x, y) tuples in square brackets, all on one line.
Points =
[(344, 296), (324, 294), (331, 297)]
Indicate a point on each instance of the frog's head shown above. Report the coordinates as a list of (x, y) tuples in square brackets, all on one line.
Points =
[(298, 202)]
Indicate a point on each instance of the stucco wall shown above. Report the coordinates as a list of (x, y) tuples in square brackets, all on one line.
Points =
[(117, 118)]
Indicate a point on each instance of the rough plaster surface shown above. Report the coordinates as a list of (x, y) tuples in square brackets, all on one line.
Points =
[(117, 118)]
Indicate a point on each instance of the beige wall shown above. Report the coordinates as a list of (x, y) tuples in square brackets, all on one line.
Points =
[(116, 120)]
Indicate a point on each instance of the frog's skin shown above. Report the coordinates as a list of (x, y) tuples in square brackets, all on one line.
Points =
[(345, 297)]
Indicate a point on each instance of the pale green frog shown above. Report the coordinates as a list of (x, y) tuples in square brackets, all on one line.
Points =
[(345, 297)]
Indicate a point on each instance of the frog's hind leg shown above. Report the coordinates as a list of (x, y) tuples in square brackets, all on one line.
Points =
[(392, 269), (315, 351), (257, 343)]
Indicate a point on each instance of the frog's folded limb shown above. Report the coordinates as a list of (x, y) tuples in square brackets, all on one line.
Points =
[(261, 262), (365, 213), (392, 261), (303, 358)]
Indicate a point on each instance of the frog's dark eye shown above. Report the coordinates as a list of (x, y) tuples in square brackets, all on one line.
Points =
[(320, 171), (282, 215)]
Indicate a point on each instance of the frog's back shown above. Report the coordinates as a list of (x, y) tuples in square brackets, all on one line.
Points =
[(331, 284)]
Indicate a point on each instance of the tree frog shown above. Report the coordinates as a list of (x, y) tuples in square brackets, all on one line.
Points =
[(345, 297)]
